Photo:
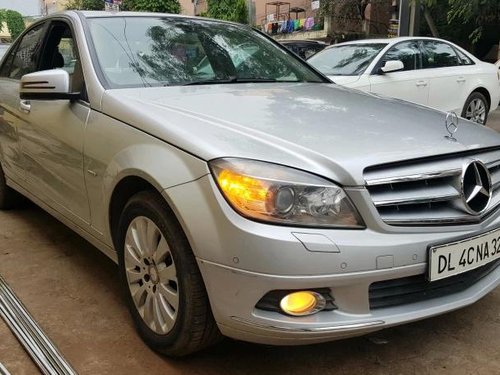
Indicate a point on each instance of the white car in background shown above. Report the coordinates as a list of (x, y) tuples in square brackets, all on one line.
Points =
[(427, 71)]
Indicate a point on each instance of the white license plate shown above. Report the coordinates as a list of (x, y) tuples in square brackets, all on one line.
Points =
[(462, 256)]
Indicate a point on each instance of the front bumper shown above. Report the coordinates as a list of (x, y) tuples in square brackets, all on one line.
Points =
[(234, 293), (242, 260)]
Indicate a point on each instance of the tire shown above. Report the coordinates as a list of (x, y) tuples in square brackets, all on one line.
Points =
[(9, 198), (476, 108), (171, 310)]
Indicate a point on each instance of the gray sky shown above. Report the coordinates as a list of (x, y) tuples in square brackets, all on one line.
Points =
[(25, 7)]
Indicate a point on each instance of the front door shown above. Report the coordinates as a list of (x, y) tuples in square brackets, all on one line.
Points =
[(22, 59), (52, 133), (411, 83)]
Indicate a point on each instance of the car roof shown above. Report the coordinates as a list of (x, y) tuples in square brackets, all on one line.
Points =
[(388, 41), (103, 13), (106, 14)]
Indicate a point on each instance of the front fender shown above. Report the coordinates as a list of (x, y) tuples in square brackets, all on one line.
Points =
[(115, 151)]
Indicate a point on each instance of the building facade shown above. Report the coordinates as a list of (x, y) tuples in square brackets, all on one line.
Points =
[(53, 6), (187, 7)]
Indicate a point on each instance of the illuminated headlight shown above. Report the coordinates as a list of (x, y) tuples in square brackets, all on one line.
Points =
[(277, 194)]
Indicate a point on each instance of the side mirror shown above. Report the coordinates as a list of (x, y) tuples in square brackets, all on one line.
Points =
[(392, 66), (51, 84)]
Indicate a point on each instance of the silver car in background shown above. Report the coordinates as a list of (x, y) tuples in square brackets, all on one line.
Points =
[(249, 198)]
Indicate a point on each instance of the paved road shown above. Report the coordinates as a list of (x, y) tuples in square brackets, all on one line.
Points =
[(494, 120), (73, 292)]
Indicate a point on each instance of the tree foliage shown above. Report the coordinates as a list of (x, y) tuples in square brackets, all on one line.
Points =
[(470, 22), (229, 10), (161, 6), (86, 4), (481, 13), (14, 21)]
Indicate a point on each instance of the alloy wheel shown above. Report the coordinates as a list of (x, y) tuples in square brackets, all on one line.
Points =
[(151, 275), (476, 111)]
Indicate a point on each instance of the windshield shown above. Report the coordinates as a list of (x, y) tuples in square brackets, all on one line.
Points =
[(347, 60), (170, 51)]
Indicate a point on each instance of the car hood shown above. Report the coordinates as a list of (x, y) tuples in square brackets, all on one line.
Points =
[(344, 80), (323, 128)]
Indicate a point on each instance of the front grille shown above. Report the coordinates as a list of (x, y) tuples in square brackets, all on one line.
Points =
[(416, 288), (429, 192)]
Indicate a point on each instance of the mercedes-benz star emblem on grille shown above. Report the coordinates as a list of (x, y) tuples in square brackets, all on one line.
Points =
[(476, 187), (451, 125)]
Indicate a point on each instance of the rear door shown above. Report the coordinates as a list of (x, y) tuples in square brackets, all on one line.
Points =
[(411, 83), (448, 79)]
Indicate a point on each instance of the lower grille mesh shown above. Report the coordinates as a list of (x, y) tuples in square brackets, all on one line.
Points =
[(412, 289)]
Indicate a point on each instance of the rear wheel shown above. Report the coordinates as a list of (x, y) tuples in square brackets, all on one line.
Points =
[(476, 108), (163, 285), (9, 198)]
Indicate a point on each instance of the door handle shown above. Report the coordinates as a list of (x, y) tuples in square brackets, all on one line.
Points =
[(461, 80), (421, 83), (25, 106)]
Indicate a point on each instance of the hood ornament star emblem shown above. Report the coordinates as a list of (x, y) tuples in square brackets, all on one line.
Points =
[(451, 125)]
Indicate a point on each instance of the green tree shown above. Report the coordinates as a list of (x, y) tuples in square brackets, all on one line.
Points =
[(86, 4), (160, 6), (482, 13), (473, 24), (229, 10), (14, 21)]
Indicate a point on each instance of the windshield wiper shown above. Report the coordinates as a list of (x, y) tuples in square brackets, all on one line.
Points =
[(229, 81)]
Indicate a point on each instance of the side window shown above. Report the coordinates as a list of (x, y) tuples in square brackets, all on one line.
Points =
[(68, 52), (406, 52), (438, 55), (24, 59), (61, 52), (464, 59), (4, 72)]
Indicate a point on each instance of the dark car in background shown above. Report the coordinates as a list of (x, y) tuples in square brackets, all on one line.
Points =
[(304, 48)]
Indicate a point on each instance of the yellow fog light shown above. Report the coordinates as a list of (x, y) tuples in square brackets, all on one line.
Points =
[(302, 303)]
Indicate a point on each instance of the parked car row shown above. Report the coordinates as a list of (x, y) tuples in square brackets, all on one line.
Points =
[(241, 192)]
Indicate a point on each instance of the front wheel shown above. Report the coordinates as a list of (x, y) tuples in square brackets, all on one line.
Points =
[(164, 289), (476, 108)]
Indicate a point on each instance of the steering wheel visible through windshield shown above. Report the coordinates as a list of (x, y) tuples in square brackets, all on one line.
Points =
[(170, 51)]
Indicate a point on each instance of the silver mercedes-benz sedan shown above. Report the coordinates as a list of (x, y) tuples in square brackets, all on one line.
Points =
[(240, 192)]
